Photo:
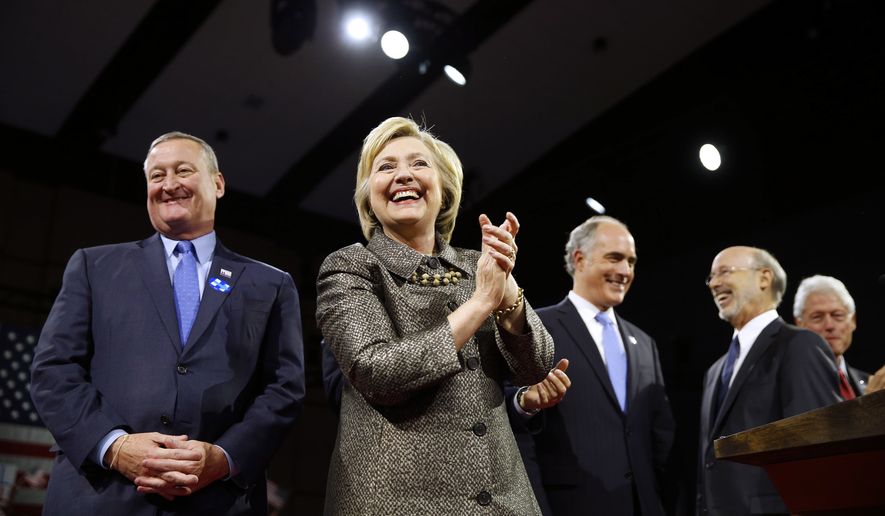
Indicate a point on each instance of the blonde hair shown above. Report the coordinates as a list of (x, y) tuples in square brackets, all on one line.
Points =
[(445, 162)]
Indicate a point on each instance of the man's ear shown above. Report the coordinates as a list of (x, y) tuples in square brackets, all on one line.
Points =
[(578, 259), (219, 185)]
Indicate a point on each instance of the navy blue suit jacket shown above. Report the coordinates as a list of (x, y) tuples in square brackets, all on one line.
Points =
[(858, 379), (585, 455), (110, 356), (788, 371)]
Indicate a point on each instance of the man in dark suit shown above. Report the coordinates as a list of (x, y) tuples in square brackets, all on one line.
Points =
[(772, 370), (169, 369), (824, 306), (602, 449)]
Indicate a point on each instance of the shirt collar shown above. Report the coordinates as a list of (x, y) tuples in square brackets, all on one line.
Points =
[(588, 308), (750, 332), (204, 246), (403, 260)]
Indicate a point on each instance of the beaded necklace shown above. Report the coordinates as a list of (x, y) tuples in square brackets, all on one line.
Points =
[(436, 280)]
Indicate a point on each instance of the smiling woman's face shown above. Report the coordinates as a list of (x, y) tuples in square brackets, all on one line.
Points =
[(405, 190)]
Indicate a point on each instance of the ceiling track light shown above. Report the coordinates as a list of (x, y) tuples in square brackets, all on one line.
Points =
[(394, 44)]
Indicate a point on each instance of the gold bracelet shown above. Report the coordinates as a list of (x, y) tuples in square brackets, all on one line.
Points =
[(117, 453), (506, 311)]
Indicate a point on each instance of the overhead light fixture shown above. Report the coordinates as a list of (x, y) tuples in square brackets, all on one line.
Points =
[(394, 44), (710, 158), (358, 27), (456, 75), (595, 205)]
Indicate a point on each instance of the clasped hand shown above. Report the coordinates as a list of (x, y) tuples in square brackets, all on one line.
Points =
[(169, 466), (494, 278)]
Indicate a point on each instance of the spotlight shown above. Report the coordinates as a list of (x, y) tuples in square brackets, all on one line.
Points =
[(394, 44), (455, 75), (357, 27), (710, 158), (595, 205)]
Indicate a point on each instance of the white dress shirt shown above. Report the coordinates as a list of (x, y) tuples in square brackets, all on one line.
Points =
[(588, 311), (747, 337)]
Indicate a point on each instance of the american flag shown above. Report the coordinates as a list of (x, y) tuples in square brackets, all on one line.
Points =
[(25, 460)]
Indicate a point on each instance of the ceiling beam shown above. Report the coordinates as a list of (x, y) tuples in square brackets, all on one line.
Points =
[(157, 39)]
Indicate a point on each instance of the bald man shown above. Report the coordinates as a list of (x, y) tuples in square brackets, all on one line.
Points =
[(772, 370)]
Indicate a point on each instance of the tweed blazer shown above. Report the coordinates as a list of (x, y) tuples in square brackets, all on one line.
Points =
[(423, 427)]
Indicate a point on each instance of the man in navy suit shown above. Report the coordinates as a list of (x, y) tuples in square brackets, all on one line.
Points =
[(824, 306), (170, 369), (772, 370), (602, 449)]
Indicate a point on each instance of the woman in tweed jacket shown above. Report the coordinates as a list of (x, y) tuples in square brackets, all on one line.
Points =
[(425, 334)]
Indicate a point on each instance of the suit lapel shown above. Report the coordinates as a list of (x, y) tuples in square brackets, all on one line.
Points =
[(577, 330), (632, 361), (214, 295), (155, 276), (709, 395), (760, 346), (857, 381)]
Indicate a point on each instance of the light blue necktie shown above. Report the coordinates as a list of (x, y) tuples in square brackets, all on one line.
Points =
[(186, 287), (615, 358), (727, 370)]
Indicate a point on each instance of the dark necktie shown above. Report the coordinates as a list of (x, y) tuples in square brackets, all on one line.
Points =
[(615, 359), (844, 387), (186, 287), (727, 370)]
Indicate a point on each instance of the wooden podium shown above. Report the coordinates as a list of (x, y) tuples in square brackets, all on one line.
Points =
[(830, 461)]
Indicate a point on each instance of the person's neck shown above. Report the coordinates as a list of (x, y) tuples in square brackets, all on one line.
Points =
[(186, 234), (586, 295), (421, 241), (748, 315)]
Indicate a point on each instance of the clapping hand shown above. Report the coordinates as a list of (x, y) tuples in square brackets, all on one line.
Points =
[(549, 391)]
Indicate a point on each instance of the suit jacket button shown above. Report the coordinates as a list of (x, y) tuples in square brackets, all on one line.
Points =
[(433, 262), (181, 369), (484, 498), (480, 429), (452, 305), (472, 363), (628, 475), (164, 419)]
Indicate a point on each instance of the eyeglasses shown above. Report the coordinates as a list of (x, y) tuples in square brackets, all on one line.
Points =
[(725, 272)]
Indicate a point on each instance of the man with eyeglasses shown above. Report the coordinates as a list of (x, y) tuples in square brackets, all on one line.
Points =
[(772, 370), (824, 306)]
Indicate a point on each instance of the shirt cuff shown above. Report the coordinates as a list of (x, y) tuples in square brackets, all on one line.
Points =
[(102, 447), (519, 410), (232, 468)]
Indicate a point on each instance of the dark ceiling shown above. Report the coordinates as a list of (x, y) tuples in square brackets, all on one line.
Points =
[(566, 100)]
